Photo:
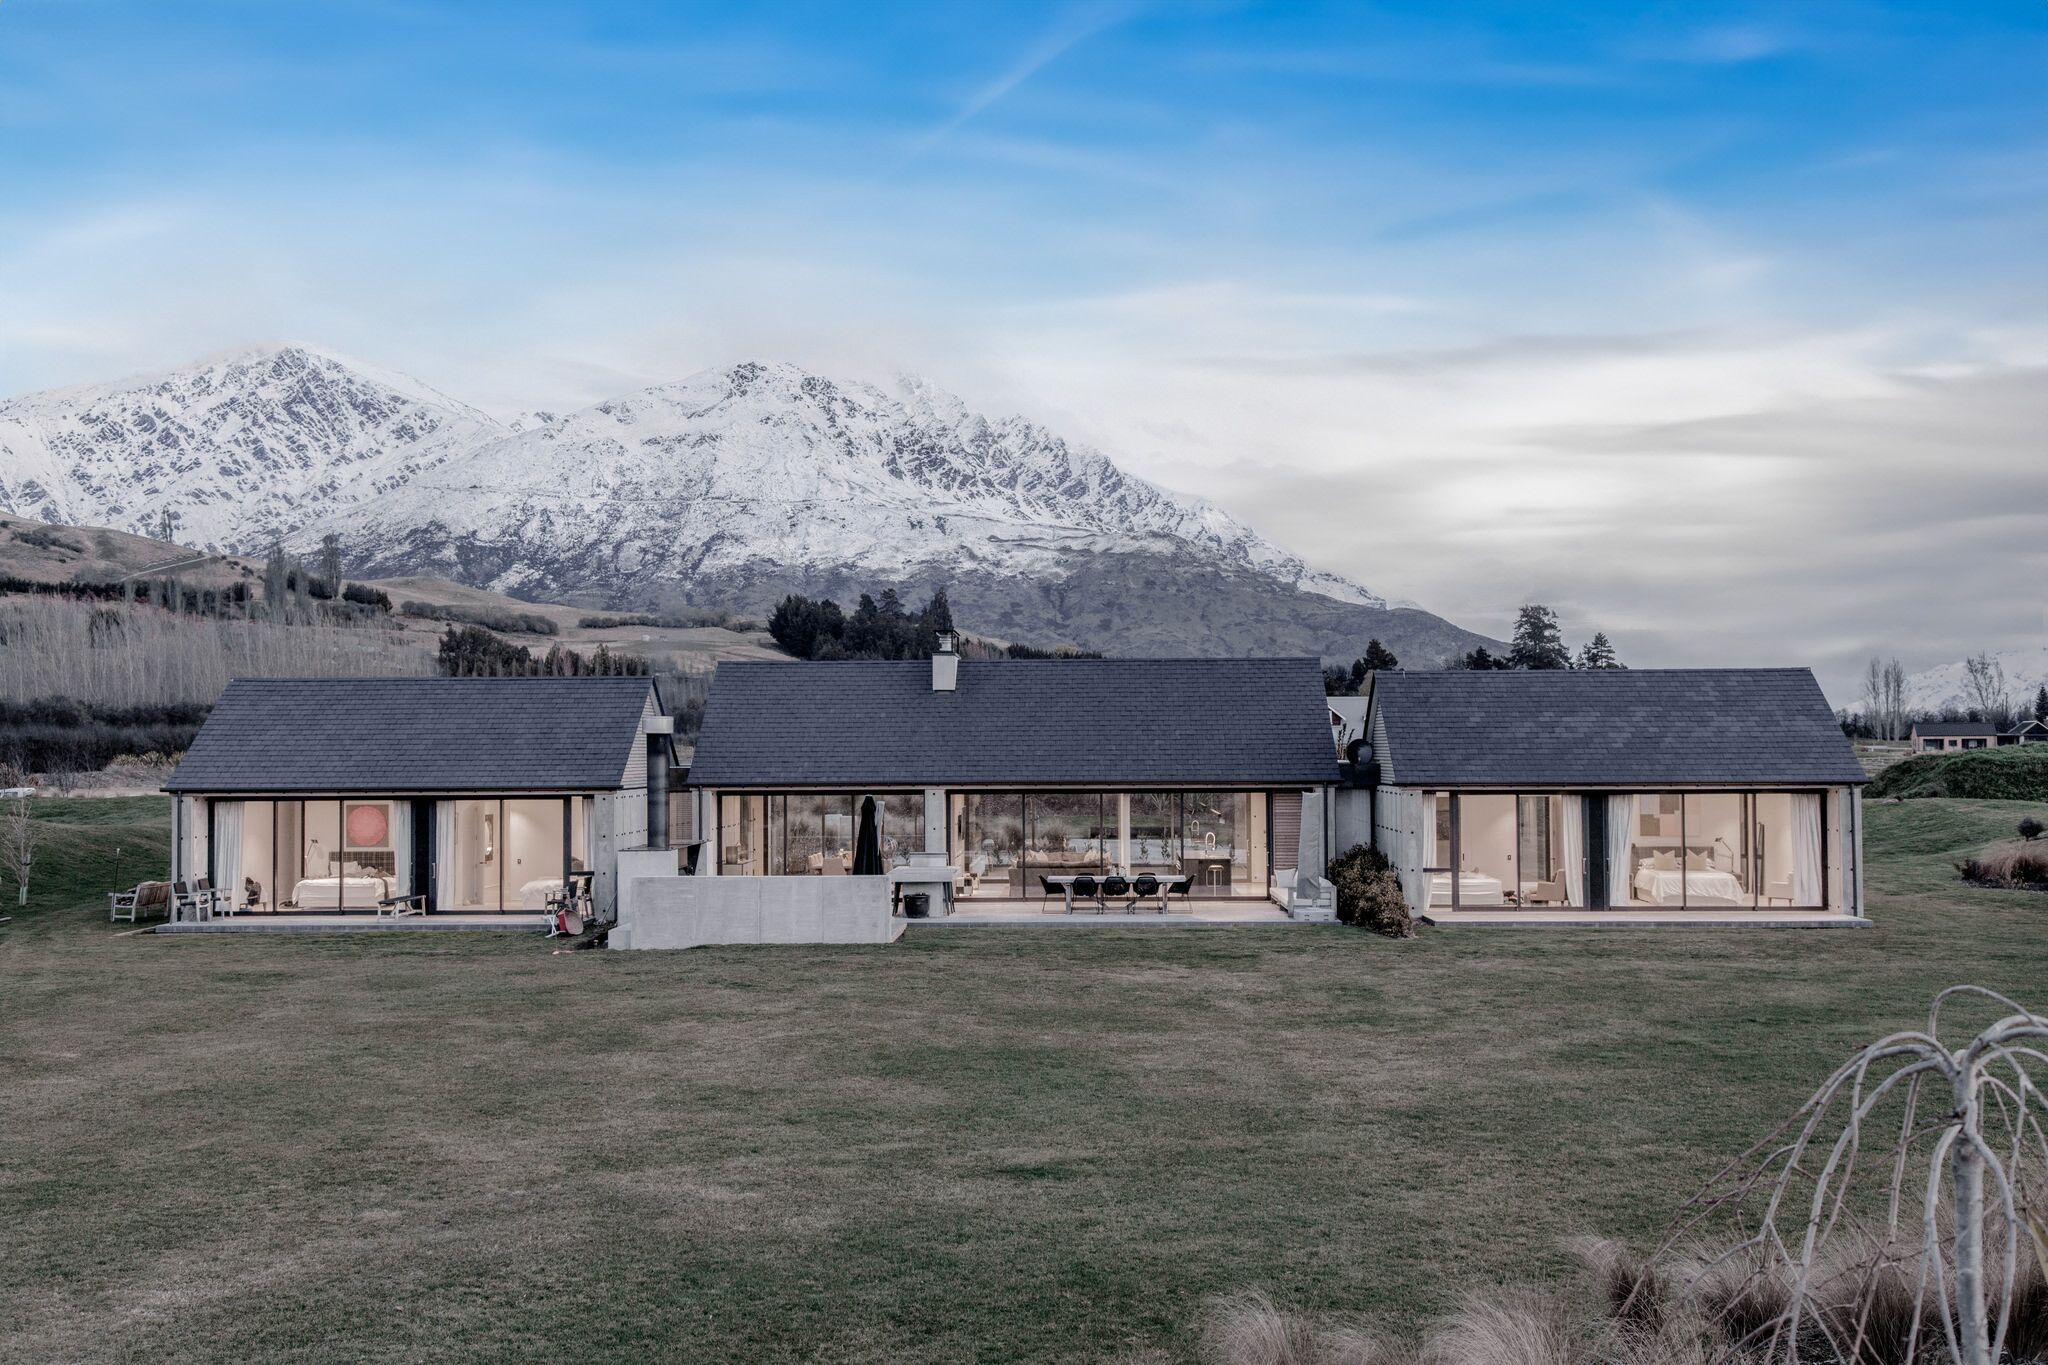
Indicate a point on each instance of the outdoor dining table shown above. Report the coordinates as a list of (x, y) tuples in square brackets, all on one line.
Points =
[(1168, 884)]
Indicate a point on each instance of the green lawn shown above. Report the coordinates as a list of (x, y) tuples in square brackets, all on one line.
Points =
[(970, 1146)]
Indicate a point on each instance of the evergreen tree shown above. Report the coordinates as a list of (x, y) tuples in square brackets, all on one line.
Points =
[(1336, 683), (1538, 644), (938, 613), (1598, 653), (1482, 659), (276, 580), (1378, 658), (2041, 703), (330, 562)]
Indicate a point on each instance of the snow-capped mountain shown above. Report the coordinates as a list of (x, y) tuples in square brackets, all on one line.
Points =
[(237, 446), (1948, 686), (759, 469), (731, 487)]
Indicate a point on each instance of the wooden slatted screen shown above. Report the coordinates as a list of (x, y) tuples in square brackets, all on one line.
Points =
[(1286, 830)]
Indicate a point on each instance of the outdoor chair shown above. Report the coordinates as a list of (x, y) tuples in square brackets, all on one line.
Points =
[(415, 904), (121, 904), (190, 903), (1114, 887), (1145, 888), (1086, 888)]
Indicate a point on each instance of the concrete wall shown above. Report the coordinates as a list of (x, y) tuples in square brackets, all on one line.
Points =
[(668, 911), (1352, 819)]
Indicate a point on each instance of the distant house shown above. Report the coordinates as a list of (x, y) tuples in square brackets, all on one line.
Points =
[(480, 795), (2026, 732), (1728, 794), (1939, 736)]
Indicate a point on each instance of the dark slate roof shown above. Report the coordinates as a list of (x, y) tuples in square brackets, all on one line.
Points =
[(417, 735), (1680, 727), (1017, 722), (1942, 729)]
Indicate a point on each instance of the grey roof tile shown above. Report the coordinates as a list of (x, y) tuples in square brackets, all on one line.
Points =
[(1739, 726), (416, 735), (1067, 722)]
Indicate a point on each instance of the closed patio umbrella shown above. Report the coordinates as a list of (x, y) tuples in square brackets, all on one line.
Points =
[(867, 843)]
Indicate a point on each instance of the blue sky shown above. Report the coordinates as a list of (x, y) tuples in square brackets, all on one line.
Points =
[(1448, 297)]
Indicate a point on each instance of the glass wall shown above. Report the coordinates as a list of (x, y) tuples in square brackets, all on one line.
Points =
[(505, 854), (811, 834), (1003, 843), (1718, 850), (1006, 843), (1490, 850), (988, 844), (340, 853)]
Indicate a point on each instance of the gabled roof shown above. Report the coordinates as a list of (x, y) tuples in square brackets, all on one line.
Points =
[(1611, 727), (419, 735), (1018, 722), (1954, 729)]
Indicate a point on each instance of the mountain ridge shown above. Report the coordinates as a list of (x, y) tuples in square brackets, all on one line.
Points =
[(723, 488)]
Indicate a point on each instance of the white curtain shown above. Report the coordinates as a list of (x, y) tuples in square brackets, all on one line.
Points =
[(227, 848), (401, 846), (444, 856), (1621, 831), (1572, 834), (1806, 848)]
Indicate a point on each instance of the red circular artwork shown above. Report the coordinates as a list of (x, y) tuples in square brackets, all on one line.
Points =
[(367, 826)]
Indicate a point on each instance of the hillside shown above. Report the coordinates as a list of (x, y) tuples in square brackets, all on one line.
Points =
[(40, 553), (2017, 772)]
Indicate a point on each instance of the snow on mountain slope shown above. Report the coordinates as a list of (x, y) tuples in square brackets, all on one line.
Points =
[(1948, 686), (765, 465), (729, 488), (239, 445)]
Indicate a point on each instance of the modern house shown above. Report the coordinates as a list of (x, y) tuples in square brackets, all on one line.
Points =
[(1609, 795), (1939, 736), (1017, 774), (479, 795), (2029, 731)]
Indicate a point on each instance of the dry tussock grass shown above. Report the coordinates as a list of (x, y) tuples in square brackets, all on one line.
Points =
[(1865, 1306)]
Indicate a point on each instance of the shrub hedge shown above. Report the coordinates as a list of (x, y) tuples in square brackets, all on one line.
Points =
[(2017, 772), (1369, 894)]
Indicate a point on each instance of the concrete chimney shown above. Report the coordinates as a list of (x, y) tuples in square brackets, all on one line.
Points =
[(946, 663), (658, 730)]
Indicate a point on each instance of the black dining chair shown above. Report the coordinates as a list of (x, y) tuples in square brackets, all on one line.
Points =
[(1085, 888), (1114, 887), (1145, 888)]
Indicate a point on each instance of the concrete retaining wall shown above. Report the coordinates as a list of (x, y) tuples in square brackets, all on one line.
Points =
[(669, 911)]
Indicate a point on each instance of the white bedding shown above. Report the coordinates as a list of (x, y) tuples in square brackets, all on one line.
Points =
[(1701, 887), (1473, 889), (333, 893), (534, 895)]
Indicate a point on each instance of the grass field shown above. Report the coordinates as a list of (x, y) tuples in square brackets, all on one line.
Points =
[(970, 1146)]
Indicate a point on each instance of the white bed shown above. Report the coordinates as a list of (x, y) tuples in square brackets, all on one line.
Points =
[(1473, 889), (334, 893), (534, 895), (1701, 886)]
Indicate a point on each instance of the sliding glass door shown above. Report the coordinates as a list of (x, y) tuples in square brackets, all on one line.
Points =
[(506, 853), (325, 854), (1005, 844), (1653, 850)]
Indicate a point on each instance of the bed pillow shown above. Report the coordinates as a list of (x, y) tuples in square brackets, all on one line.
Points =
[(1663, 862)]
